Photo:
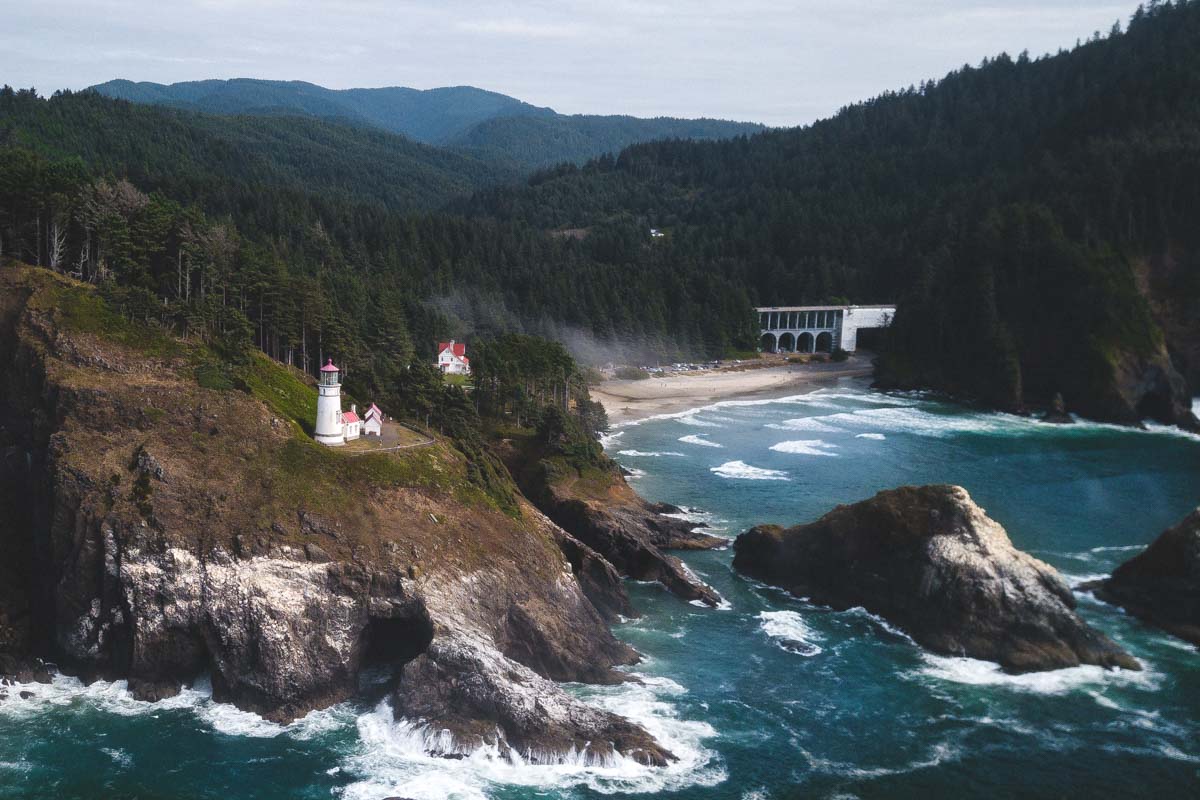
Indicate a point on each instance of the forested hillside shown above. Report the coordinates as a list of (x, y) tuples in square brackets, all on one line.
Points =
[(502, 129), (1028, 215), (260, 228), (1034, 218), (226, 162)]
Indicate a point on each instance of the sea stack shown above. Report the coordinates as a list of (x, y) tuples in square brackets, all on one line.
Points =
[(930, 561), (1161, 585)]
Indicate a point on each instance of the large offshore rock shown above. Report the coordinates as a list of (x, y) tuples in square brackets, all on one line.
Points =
[(930, 561), (1161, 585)]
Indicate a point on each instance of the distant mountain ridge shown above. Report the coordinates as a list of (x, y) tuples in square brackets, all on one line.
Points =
[(485, 123)]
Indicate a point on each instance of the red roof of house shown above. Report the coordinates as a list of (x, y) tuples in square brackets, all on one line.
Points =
[(374, 409), (459, 350), (349, 416), (329, 367)]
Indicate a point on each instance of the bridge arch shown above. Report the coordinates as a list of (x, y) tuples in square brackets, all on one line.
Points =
[(787, 343), (767, 343), (805, 343), (825, 342)]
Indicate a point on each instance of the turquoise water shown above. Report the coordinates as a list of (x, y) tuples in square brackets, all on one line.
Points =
[(859, 711)]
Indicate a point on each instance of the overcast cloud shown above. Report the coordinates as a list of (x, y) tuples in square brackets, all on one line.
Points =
[(782, 63)]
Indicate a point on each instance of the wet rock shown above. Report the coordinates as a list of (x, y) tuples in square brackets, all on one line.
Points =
[(23, 669), (152, 691), (27, 695), (1057, 413), (930, 561), (467, 695), (1161, 585)]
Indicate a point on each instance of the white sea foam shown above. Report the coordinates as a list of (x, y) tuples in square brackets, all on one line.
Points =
[(697, 422), (805, 447), (742, 471), (809, 424), (610, 438), (119, 757), (1075, 580), (925, 422), (1124, 548), (113, 697), (877, 436), (790, 632), (939, 753), (974, 672), (393, 757), (645, 454), (634, 473), (698, 439)]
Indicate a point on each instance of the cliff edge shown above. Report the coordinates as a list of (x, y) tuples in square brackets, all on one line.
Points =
[(168, 517)]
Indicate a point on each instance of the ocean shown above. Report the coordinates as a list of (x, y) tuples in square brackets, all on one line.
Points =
[(767, 696)]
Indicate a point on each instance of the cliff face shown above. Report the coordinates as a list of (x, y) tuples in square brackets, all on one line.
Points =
[(159, 529), (930, 561)]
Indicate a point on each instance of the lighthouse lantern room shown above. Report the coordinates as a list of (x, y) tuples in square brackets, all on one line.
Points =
[(329, 429)]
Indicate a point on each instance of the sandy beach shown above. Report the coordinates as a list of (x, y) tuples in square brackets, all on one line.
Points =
[(626, 401)]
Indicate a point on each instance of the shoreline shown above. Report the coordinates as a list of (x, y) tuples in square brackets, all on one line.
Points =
[(629, 401)]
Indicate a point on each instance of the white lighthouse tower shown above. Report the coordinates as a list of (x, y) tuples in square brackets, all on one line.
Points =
[(329, 429)]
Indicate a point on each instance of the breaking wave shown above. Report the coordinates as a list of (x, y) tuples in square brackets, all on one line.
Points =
[(973, 672), (650, 454), (114, 697), (743, 471), (805, 447), (393, 756), (698, 439), (695, 421), (790, 632)]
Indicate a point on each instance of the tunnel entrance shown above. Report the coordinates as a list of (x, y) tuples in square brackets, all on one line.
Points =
[(767, 343), (825, 342), (805, 343), (787, 343)]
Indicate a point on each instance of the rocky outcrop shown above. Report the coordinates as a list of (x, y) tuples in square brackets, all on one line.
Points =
[(1143, 387), (930, 561), (1057, 413), (1161, 585), (467, 696), (597, 507), (164, 530)]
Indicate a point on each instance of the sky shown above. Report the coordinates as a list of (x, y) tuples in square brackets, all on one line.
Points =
[(780, 63)]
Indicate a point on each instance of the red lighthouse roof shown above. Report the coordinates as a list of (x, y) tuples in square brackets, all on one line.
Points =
[(329, 367)]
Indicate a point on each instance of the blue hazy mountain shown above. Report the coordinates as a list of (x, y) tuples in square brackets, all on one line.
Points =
[(488, 123)]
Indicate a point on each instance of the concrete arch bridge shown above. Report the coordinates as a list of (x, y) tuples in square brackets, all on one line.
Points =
[(818, 329)]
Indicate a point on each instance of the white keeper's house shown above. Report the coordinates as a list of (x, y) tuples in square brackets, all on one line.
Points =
[(452, 358)]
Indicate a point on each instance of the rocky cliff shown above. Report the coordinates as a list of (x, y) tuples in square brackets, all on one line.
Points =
[(930, 561), (166, 517), (594, 504), (1161, 585)]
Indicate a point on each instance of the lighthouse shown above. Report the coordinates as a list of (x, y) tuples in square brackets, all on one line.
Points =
[(329, 429)]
